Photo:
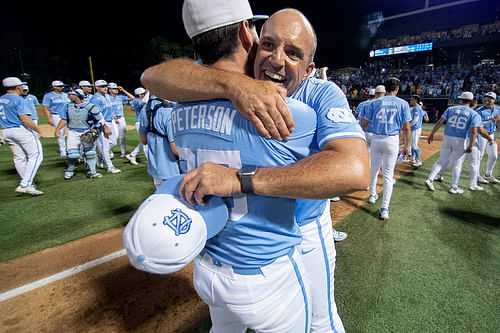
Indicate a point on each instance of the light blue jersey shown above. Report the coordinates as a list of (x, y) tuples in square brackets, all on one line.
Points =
[(136, 104), (487, 116), (360, 110), (387, 115), (335, 121), (11, 107), (459, 120), (117, 105), (260, 229), (417, 117), (104, 103), (78, 115), (162, 162), (55, 102), (32, 102)]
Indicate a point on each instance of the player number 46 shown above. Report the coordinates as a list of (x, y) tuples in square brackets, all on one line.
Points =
[(458, 122)]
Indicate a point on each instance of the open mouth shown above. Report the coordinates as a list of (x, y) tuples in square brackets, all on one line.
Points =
[(274, 77)]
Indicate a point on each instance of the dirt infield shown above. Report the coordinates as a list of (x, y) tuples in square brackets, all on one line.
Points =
[(114, 297)]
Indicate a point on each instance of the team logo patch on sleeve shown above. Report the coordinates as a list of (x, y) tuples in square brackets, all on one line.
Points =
[(340, 115), (179, 222)]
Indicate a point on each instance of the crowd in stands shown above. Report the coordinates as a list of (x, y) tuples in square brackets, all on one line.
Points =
[(445, 81)]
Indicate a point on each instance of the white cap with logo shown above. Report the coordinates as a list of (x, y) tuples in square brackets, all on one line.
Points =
[(57, 83), (491, 94), (10, 82), (84, 83), (200, 16), (467, 95), (101, 83), (139, 91), (380, 89)]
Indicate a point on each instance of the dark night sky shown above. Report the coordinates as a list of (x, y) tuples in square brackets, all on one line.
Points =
[(111, 31)]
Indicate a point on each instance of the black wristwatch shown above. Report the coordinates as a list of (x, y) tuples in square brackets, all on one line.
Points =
[(245, 174)]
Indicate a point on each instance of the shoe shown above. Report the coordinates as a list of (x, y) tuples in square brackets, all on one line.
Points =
[(335, 199), (417, 164), (131, 159), (439, 178), (429, 184), (113, 170), (455, 190), (372, 199), (69, 174), (339, 236), (123, 155), (476, 188), (95, 175), (482, 180), (384, 214), (28, 190), (491, 179), (100, 163)]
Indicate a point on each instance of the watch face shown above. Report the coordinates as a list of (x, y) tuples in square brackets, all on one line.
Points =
[(248, 169)]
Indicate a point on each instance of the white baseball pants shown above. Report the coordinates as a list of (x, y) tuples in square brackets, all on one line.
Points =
[(122, 134), (491, 150), (140, 146), (452, 153), (474, 163), (415, 137), (318, 255), (27, 152), (106, 143), (384, 153), (275, 301)]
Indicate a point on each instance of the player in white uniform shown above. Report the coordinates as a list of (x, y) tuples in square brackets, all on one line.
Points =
[(53, 103), (417, 117), (379, 92), (119, 122), (314, 92), (86, 86), (79, 117), (387, 115), (156, 131), (490, 117), (137, 104), (461, 121), (105, 142), (21, 133), (32, 103)]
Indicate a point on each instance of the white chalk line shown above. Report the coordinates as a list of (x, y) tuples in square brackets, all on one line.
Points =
[(58, 276)]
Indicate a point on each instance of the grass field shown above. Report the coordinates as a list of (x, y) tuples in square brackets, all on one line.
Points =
[(434, 266)]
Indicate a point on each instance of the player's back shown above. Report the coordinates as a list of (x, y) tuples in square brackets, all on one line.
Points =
[(459, 120), (10, 106), (388, 115), (260, 229)]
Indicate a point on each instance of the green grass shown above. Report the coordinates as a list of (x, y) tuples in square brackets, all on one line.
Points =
[(69, 209)]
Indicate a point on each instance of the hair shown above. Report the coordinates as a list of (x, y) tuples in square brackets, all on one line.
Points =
[(391, 84), (416, 97), (216, 44)]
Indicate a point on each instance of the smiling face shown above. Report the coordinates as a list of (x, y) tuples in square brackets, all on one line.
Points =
[(284, 56), (488, 102)]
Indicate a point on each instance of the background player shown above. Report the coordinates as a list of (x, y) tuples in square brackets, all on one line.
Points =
[(119, 123), (21, 133), (54, 103), (137, 104), (86, 87), (418, 115), (32, 103)]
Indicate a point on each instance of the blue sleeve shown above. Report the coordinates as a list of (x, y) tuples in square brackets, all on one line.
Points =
[(64, 113), (406, 112), (170, 129), (46, 100), (476, 120), (36, 101), (23, 107)]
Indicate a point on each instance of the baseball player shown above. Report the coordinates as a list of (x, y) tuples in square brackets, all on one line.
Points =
[(490, 116), (32, 103), (53, 103), (86, 86), (461, 121), (119, 122), (156, 131), (137, 104), (379, 92), (388, 116), (371, 97), (80, 116), (105, 142), (338, 114), (418, 116), (21, 133)]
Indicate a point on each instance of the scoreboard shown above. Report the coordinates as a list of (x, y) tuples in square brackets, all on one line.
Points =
[(401, 49)]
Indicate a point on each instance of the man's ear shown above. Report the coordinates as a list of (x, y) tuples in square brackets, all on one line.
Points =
[(245, 36), (309, 70)]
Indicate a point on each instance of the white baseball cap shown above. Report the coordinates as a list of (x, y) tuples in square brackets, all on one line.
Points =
[(112, 85), (491, 94), (166, 233), (84, 83), (57, 83), (139, 91), (10, 82), (380, 89), (371, 92), (25, 87), (200, 16), (101, 83), (467, 95)]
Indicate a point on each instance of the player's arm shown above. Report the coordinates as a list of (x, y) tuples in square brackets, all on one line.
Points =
[(144, 138), (406, 137), (129, 95), (28, 123), (484, 133), (46, 110), (61, 124), (472, 139), (260, 102), (436, 127), (364, 124), (341, 167)]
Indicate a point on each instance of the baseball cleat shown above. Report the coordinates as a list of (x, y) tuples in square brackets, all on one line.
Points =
[(100, 163), (455, 190), (113, 170), (482, 180), (339, 236), (95, 175), (384, 214), (439, 178), (491, 179), (476, 188), (372, 199), (335, 199), (131, 159), (123, 155), (417, 164), (69, 174), (28, 190), (429, 184)]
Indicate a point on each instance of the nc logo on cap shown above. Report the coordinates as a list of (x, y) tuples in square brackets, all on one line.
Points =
[(179, 222)]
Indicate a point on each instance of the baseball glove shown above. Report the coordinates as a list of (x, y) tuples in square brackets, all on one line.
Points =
[(90, 136)]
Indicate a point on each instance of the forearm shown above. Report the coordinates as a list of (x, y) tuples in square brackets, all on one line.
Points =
[(143, 138), (28, 123), (46, 111)]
